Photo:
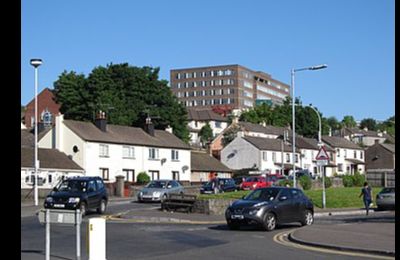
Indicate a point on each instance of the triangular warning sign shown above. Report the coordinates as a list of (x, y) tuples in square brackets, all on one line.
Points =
[(322, 154)]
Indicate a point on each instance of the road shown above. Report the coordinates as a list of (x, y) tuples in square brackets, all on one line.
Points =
[(171, 241)]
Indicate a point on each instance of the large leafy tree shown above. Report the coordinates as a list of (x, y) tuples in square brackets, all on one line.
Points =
[(388, 125), (206, 134), (128, 95), (348, 121), (368, 123)]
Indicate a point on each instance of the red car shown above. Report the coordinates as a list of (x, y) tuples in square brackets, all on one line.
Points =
[(256, 182)]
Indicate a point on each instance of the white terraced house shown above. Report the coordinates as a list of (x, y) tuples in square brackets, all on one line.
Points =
[(113, 150)]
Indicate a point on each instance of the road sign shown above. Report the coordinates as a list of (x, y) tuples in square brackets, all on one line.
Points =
[(58, 216), (322, 162), (322, 154)]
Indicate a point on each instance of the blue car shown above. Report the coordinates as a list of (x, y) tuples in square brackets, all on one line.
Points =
[(226, 185)]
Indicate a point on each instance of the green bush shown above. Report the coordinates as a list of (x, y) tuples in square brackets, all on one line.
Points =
[(328, 182), (285, 182), (305, 182), (347, 180), (143, 178), (358, 179)]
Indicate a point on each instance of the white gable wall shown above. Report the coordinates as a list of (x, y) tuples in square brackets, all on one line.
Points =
[(241, 154)]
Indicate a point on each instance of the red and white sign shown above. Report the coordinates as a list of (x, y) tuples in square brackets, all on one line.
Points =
[(322, 155)]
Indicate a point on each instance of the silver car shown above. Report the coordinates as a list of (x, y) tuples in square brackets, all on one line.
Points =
[(385, 199), (158, 190)]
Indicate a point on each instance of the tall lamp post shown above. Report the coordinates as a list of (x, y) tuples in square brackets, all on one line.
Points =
[(318, 67), (36, 63)]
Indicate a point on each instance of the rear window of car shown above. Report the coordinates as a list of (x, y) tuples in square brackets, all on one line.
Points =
[(387, 190)]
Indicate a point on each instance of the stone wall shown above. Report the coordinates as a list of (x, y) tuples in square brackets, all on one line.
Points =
[(336, 182), (212, 206)]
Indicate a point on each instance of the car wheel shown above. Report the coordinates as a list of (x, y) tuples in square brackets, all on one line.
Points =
[(83, 208), (269, 221), (233, 226), (102, 208), (308, 218)]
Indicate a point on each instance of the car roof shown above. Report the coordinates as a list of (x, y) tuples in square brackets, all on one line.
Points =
[(84, 178)]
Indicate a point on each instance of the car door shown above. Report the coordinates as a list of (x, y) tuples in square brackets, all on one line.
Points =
[(285, 206), (92, 194)]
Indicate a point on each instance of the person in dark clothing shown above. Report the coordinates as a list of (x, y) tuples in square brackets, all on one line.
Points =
[(215, 184), (366, 192)]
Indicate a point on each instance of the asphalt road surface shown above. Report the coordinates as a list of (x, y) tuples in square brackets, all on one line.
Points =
[(169, 241)]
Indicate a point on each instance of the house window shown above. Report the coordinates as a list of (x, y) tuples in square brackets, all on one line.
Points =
[(105, 174), (361, 155), (175, 175), (153, 153), (288, 158), (217, 124), (128, 152), (274, 157), (338, 152), (340, 167), (155, 175), (345, 153), (129, 175), (103, 150), (296, 156), (265, 156), (174, 155), (355, 154), (50, 178)]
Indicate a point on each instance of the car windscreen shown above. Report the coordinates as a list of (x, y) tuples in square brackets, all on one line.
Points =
[(157, 184), (72, 185), (251, 179), (262, 194)]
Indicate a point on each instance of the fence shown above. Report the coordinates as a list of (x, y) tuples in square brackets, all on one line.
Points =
[(381, 179)]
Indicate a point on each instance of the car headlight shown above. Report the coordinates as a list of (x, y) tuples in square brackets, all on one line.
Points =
[(73, 200), (140, 194), (156, 194), (254, 211), (49, 199)]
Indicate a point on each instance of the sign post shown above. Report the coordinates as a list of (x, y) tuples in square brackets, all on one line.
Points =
[(322, 160)]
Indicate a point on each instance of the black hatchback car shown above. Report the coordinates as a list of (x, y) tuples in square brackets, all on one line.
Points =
[(268, 207), (226, 184), (85, 193)]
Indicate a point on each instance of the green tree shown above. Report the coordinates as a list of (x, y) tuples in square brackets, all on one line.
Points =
[(388, 125), (368, 123), (128, 94), (229, 135), (206, 134), (348, 121), (333, 123), (258, 114)]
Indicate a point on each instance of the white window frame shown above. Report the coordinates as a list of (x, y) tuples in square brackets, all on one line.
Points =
[(104, 150), (153, 154), (174, 155), (128, 151), (265, 155)]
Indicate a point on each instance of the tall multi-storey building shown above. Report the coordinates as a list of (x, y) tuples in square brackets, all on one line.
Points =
[(233, 85)]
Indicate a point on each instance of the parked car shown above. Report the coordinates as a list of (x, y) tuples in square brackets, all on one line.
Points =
[(255, 182), (159, 189), (85, 193), (226, 185), (238, 181), (385, 199), (301, 173), (269, 207)]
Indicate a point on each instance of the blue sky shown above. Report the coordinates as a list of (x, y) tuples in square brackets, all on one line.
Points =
[(354, 37)]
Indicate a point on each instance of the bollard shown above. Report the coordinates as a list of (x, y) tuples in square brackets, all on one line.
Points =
[(97, 239)]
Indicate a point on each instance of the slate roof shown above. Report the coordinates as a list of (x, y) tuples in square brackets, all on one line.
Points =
[(389, 147), (27, 138), (118, 134), (310, 143), (363, 132), (340, 142), (204, 115), (49, 159), (268, 144), (201, 161), (275, 130)]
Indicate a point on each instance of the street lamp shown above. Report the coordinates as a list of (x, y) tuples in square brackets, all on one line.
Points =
[(318, 67), (36, 63)]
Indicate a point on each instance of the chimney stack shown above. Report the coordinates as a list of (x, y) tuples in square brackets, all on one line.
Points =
[(376, 141), (149, 127), (101, 122)]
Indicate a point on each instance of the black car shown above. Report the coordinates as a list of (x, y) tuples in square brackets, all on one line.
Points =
[(268, 207), (238, 181), (226, 184), (85, 193)]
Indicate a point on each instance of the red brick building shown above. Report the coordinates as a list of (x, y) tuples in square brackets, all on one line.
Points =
[(45, 103)]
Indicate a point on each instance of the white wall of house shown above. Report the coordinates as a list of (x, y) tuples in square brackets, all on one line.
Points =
[(307, 157), (344, 166), (262, 135), (240, 154), (48, 178), (216, 126)]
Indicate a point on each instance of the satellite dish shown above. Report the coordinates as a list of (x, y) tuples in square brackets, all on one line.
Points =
[(75, 149), (184, 168)]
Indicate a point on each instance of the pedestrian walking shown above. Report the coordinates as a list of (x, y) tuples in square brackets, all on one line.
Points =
[(366, 192), (215, 184)]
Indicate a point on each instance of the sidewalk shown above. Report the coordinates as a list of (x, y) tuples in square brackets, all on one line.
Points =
[(363, 237)]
